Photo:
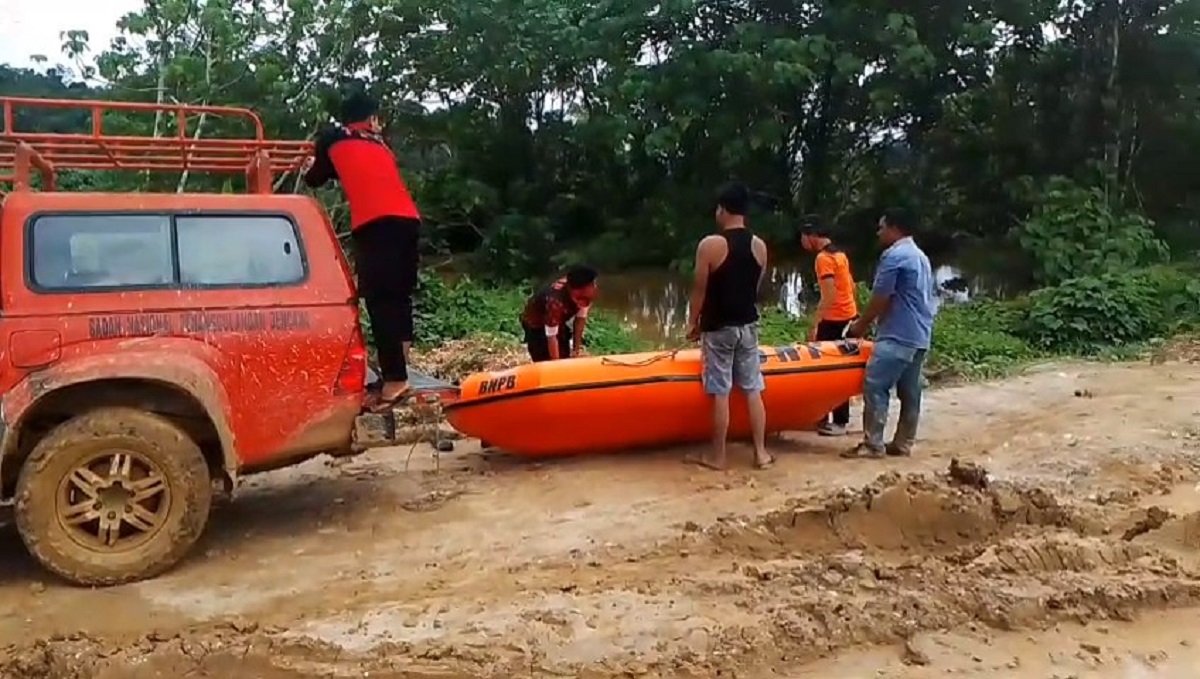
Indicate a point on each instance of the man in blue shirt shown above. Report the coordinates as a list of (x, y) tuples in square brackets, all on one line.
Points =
[(904, 300)]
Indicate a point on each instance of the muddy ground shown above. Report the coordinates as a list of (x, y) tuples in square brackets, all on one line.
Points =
[(1076, 555)]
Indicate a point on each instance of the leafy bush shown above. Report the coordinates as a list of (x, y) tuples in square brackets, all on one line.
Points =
[(449, 311), (1086, 314), (1177, 290), (1075, 232), (1106, 286)]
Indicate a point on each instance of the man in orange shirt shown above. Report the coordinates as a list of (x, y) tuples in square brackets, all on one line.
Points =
[(837, 309)]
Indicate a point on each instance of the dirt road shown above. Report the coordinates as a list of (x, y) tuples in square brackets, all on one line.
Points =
[(1076, 555)]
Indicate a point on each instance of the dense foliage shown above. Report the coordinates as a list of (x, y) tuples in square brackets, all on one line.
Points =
[(534, 132)]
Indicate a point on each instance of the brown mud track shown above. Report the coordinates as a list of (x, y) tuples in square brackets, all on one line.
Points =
[(1036, 532)]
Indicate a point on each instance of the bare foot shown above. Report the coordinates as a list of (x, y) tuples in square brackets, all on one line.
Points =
[(764, 461), (702, 460)]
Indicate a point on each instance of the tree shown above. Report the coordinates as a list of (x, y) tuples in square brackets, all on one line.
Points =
[(535, 131)]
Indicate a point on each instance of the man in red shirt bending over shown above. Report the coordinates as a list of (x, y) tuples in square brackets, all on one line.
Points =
[(554, 316), (384, 224)]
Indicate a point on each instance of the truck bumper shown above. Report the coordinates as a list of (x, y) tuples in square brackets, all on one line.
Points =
[(418, 420)]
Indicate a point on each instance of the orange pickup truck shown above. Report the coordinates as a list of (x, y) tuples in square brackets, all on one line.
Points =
[(155, 345)]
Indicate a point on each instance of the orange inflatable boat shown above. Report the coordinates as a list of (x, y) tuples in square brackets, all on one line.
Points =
[(650, 399)]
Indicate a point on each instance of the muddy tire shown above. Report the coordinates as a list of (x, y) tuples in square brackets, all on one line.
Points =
[(113, 496)]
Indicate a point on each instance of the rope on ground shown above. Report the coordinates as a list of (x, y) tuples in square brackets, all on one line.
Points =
[(428, 417)]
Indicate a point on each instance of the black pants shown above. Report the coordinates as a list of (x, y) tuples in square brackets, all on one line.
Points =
[(539, 345), (827, 331), (386, 257)]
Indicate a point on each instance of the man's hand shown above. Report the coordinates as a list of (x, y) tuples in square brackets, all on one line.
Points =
[(856, 329), (693, 333), (812, 333), (579, 352), (307, 164)]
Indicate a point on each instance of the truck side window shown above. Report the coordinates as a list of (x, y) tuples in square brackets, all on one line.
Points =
[(239, 250), (100, 252)]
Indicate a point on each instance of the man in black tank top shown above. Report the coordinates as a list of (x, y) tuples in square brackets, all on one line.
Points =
[(724, 318)]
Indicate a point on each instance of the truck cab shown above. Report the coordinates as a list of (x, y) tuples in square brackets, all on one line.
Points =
[(153, 345)]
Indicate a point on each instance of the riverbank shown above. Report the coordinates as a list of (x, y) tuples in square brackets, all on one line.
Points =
[(652, 302), (465, 327)]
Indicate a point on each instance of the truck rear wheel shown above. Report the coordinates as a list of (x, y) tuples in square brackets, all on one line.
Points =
[(113, 496)]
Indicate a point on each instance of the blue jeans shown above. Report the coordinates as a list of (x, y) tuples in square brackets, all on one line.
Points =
[(892, 365)]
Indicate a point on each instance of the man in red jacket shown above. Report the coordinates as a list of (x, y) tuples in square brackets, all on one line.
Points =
[(384, 224)]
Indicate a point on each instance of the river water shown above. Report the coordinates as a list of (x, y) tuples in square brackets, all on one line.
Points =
[(654, 303)]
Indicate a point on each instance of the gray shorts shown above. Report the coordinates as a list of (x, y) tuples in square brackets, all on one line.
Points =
[(731, 357)]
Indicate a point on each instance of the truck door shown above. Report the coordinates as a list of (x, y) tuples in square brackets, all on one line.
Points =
[(289, 352)]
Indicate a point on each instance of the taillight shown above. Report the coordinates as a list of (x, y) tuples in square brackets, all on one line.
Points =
[(352, 378)]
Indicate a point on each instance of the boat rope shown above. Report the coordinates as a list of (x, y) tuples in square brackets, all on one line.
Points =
[(847, 347), (644, 362)]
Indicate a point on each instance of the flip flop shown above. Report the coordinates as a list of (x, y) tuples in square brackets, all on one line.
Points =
[(699, 461), (765, 465), (386, 404)]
